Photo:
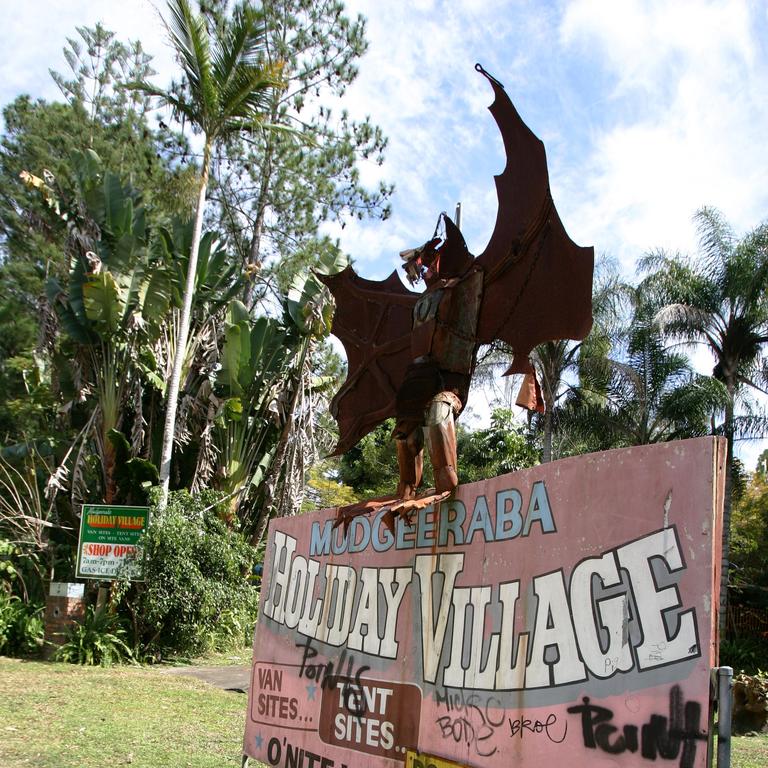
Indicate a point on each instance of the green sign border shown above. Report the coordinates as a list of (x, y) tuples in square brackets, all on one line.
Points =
[(119, 508)]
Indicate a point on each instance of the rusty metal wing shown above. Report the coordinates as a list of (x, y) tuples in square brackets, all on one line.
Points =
[(538, 282), (373, 320)]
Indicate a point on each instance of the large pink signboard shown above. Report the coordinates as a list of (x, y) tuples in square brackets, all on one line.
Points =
[(566, 612)]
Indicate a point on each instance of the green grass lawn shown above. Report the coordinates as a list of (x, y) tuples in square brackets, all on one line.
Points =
[(63, 716), (749, 751)]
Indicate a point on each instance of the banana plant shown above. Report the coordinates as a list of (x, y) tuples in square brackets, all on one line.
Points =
[(237, 447), (119, 317), (260, 438), (112, 310), (308, 310)]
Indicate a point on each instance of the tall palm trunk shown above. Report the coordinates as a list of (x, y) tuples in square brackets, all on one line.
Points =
[(546, 448), (725, 557), (550, 371), (254, 250), (110, 394), (184, 323)]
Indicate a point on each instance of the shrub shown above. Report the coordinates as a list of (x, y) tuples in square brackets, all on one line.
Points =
[(196, 595), (99, 640), (744, 654), (21, 626), (17, 565), (750, 703)]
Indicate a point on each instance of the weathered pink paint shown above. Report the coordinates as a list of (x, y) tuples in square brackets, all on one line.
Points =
[(572, 616)]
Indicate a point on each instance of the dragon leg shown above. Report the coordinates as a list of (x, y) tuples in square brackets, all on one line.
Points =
[(441, 428), (410, 462)]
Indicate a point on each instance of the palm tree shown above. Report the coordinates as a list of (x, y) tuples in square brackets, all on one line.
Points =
[(647, 395), (229, 85), (719, 299), (555, 361)]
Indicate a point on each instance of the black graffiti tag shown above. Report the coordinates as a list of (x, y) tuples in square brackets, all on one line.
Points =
[(328, 674), (471, 719), (522, 725), (661, 737)]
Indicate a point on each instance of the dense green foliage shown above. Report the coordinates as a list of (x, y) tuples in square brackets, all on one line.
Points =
[(39, 178), (21, 626), (370, 468), (744, 654), (749, 534), (99, 639), (502, 447), (197, 594)]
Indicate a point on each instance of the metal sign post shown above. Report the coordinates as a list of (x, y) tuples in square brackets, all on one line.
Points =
[(724, 712)]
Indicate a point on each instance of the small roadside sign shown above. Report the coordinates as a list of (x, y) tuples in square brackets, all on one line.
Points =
[(108, 542)]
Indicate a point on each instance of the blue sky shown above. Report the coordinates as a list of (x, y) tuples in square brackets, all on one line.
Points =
[(648, 110)]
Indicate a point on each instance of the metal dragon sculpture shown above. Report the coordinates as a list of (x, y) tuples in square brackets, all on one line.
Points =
[(411, 355)]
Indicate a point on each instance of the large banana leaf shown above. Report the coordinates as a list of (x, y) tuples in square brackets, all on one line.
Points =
[(118, 208), (104, 303), (154, 300), (309, 303), (218, 279), (235, 357), (253, 354)]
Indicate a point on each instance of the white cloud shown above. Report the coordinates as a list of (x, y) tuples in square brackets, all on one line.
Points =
[(687, 111), (645, 41), (33, 35)]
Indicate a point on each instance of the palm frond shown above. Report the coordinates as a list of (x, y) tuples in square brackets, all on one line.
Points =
[(247, 95), (752, 426), (146, 87), (657, 259), (716, 240), (683, 320), (190, 39), (749, 276), (243, 44)]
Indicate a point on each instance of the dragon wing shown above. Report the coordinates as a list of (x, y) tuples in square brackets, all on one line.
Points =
[(538, 282), (373, 320)]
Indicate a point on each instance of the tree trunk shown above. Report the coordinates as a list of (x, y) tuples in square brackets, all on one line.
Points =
[(546, 448), (110, 398), (725, 561), (277, 461), (184, 323), (550, 372), (254, 261)]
